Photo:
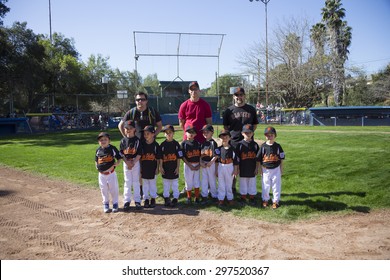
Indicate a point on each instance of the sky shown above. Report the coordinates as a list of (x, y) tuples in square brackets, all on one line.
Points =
[(107, 28)]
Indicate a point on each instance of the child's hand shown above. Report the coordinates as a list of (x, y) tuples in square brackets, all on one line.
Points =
[(162, 171), (177, 171)]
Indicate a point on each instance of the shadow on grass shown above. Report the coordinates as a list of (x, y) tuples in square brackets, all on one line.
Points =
[(325, 205), (326, 195)]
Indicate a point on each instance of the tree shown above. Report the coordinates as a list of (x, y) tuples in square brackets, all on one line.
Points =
[(339, 38), (380, 87), (3, 10), (22, 70), (151, 84)]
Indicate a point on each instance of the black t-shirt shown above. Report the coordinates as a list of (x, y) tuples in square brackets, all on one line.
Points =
[(170, 153), (105, 157), (227, 155), (191, 150), (150, 154), (234, 119), (142, 119), (270, 156), (247, 157), (208, 150), (130, 147)]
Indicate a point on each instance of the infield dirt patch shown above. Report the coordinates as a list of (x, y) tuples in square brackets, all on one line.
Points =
[(46, 219)]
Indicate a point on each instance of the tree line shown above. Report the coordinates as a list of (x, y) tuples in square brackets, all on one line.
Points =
[(307, 68)]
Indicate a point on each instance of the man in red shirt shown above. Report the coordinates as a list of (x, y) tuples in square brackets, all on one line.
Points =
[(195, 111)]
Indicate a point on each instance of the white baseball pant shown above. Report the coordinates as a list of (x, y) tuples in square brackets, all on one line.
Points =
[(150, 188), (271, 179), (191, 178), (248, 186), (167, 184), (109, 186), (132, 182), (208, 179), (225, 181)]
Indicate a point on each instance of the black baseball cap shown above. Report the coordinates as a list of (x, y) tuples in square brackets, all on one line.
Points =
[(193, 84), (208, 127), (224, 132), (238, 90), (247, 128), (190, 128), (149, 128), (129, 124), (103, 134), (270, 130), (168, 127)]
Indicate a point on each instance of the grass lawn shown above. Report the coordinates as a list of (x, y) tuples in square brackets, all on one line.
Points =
[(327, 169)]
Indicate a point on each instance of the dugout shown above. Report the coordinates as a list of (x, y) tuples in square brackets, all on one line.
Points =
[(350, 116), (14, 125)]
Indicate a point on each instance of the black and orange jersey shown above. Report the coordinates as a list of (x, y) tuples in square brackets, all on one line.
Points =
[(170, 153), (227, 155), (191, 150), (130, 147), (208, 150), (105, 157), (247, 157), (150, 154), (270, 156)]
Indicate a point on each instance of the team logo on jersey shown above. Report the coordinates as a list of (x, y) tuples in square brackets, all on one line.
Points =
[(169, 157)]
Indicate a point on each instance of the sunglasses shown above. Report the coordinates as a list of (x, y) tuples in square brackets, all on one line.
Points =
[(140, 99), (239, 95)]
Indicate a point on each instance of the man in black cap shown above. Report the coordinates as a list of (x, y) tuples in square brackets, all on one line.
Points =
[(195, 111), (236, 116)]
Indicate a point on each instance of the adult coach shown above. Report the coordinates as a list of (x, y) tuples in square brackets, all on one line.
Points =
[(143, 115), (195, 111), (237, 115)]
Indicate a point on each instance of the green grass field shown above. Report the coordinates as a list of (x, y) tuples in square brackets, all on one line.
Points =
[(327, 169)]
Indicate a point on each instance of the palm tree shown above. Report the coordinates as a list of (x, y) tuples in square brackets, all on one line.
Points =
[(339, 38)]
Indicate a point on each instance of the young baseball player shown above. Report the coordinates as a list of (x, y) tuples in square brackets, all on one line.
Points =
[(191, 158), (149, 166), (171, 155), (208, 156), (227, 168), (247, 150), (271, 156), (107, 157), (130, 148)]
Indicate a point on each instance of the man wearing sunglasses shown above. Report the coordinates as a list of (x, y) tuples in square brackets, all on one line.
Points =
[(142, 115)]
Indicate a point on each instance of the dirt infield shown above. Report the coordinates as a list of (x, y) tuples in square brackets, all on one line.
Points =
[(47, 219)]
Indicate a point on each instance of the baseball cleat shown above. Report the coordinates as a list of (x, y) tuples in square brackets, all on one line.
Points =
[(126, 206), (115, 208), (106, 208), (174, 202), (138, 206), (265, 204), (152, 203), (275, 205)]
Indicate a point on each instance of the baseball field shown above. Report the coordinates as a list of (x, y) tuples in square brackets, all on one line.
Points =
[(335, 203)]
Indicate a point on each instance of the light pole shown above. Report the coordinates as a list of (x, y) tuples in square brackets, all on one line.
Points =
[(266, 52)]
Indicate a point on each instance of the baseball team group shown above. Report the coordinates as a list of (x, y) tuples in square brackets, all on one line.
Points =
[(238, 159)]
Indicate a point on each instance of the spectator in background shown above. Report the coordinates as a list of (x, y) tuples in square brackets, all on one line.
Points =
[(195, 111)]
